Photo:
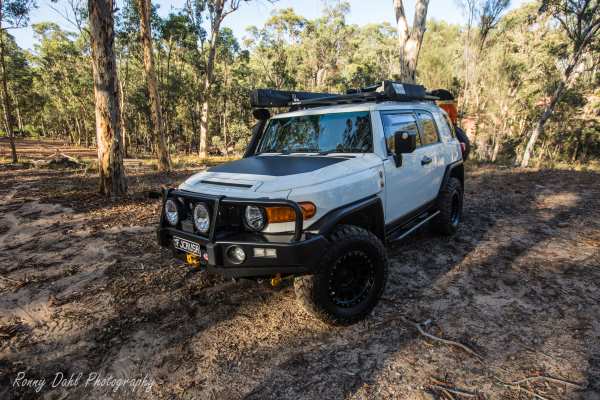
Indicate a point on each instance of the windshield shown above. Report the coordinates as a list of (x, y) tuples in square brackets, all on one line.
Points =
[(323, 133)]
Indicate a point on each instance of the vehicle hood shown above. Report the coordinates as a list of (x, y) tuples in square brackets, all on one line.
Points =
[(276, 173)]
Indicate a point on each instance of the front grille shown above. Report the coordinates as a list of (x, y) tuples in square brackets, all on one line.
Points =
[(230, 211), (229, 218)]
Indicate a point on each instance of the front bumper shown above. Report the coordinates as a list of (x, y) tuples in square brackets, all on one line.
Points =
[(293, 258), (296, 254)]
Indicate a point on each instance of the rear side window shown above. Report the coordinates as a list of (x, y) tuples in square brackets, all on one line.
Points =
[(450, 125), (394, 122), (428, 129)]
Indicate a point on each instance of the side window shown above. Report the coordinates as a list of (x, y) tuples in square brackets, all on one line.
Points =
[(450, 125), (394, 122), (429, 131)]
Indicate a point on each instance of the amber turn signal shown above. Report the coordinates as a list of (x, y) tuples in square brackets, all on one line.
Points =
[(287, 214)]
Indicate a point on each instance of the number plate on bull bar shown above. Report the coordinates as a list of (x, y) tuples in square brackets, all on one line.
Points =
[(187, 246)]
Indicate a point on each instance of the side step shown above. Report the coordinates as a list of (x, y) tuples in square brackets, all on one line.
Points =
[(411, 226)]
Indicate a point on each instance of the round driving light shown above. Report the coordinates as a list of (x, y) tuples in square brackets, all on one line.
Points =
[(236, 254), (201, 218), (171, 212), (255, 218)]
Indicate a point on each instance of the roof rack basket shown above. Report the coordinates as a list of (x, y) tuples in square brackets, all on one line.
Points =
[(386, 91)]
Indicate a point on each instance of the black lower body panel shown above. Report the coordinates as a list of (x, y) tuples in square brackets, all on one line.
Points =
[(292, 258)]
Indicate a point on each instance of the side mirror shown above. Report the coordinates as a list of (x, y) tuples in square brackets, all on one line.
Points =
[(404, 143)]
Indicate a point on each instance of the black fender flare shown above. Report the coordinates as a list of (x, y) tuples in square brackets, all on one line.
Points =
[(372, 205), (453, 169)]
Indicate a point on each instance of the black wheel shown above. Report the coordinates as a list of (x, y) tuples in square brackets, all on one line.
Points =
[(351, 278), (450, 205)]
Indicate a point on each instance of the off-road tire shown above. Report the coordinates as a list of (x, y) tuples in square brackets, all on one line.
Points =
[(447, 221), (314, 291)]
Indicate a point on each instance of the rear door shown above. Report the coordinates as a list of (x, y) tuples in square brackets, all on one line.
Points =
[(404, 189), (432, 155)]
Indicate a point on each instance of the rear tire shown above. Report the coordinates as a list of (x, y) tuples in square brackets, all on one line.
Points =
[(350, 280), (450, 205)]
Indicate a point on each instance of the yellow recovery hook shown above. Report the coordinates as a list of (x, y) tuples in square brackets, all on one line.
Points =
[(192, 260), (276, 280)]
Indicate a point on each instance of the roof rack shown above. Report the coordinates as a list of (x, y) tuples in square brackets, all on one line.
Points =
[(266, 98), (386, 91)]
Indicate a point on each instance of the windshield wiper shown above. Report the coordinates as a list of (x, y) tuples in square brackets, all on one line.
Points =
[(305, 150)]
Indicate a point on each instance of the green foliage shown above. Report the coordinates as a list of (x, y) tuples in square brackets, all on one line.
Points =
[(509, 79)]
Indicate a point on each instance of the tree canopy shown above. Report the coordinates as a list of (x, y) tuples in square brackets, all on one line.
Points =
[(503, 84)]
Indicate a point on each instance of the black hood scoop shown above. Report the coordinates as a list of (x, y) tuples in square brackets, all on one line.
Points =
[(276, 165)]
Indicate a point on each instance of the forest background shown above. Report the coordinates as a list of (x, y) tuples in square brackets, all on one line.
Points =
[(504, 66)]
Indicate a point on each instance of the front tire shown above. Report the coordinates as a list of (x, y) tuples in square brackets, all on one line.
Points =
[(350, 280), (450, 205)]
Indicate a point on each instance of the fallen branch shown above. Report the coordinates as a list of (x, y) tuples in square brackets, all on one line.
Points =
[(11, 280), (454, 391), (513, 385), (448, 394), (428, 335), (548, 379), (438, 339), (522, 389)]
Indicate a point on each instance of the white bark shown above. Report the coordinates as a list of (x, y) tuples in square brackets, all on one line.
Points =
[(410, 39), (108, 129)]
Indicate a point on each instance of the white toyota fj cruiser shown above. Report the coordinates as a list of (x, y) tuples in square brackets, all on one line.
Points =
[(321, 189)]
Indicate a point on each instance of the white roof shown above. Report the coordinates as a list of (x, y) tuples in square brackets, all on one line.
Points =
[(369, 106)]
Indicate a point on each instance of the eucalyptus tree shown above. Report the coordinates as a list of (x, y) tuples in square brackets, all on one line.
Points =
[(214, 11), (410, 39), (275, 49), (62, 72), (13, 14), (580, 22), (108, 122), (164, 161)]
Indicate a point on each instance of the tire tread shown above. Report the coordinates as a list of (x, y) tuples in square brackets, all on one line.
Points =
[(304, 286)]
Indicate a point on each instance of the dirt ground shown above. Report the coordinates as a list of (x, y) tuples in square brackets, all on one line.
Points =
[(84, 289)]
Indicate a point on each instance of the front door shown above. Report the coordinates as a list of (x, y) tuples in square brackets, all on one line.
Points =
[(406, 185)]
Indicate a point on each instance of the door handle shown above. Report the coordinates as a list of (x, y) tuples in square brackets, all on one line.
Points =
[(426, 160)]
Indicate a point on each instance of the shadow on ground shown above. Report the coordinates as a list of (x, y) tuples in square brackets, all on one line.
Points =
[(519, 284)]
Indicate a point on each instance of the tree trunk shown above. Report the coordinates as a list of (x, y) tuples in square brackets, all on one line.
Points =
[(79, 131), (225, 116), (122, 119), (122, 94), (164, 161), (410, 40), (9, 119), (19, 119), (43, 126), (108, 129), (580, 47), (209, 77), (539, 128), (202, 146)]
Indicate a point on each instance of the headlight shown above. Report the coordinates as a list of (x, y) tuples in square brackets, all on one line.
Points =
[(201, 218), (171, 212), (255, 218)]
